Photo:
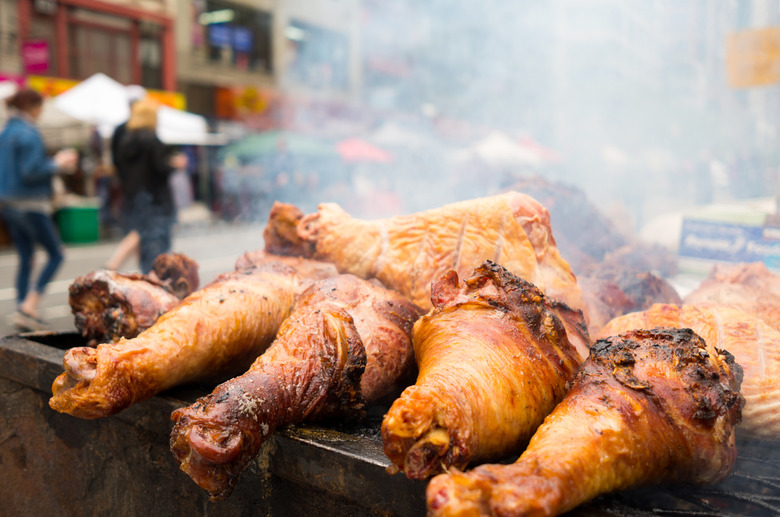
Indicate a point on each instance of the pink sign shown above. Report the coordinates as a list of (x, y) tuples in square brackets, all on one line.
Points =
[(35, 56), (18, 79)]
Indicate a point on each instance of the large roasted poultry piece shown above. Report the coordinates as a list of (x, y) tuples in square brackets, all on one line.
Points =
[(408, 252), (494, 358), (750, 287), (348, 341), (107, 305), (647, 406), (754, 344), (217, 331), (612, 291)]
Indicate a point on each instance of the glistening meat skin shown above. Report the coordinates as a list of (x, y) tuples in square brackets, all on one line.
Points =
[(214, 333), (647, 406), (348, 341), (753, 342), (408, 252), (494, 358)]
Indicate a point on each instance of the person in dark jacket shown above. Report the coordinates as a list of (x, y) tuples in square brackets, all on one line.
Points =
[(26, 201), (144, 168), (130, 243)]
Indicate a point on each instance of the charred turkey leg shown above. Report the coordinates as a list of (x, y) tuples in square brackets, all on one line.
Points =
[(217, 437), (107, 305), (493, 360), (647, 406), (216, 331), (408, 252), (753, 342), (311, 371)]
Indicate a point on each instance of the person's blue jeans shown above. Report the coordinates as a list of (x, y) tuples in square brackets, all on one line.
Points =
[(26, 230), (154, 227)]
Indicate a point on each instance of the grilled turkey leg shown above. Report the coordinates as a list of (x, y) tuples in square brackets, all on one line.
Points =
[(107, 305), (754, 343), (647, 406), (493, 360), (216, 331), (304, 375), (408, 252)]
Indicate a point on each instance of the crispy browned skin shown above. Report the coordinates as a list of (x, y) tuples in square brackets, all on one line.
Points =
[(750, 287), (107, 305), (493, 361), (408, 252), (177, 272), (312, 371), (648, 406), (613, 291), (216, 331), (281, 232), (754, 344), (308, 268)]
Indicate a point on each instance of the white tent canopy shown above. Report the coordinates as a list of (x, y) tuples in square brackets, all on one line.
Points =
[(182, 127), (98, 100), (105, 102)]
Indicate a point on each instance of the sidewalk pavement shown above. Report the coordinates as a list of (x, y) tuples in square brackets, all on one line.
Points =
[(213, 244)]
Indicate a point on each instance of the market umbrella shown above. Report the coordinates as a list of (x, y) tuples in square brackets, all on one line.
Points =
[(355, 150), (272, 142)]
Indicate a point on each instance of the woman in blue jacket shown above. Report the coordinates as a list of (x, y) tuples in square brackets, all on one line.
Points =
[(26, 200)]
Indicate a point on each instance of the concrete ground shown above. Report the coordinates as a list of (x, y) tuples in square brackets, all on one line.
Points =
[(214, 245)]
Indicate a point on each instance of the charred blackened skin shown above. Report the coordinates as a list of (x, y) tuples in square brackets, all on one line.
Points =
[(494, 359), (216, 438), (347, 341), (648, 406)]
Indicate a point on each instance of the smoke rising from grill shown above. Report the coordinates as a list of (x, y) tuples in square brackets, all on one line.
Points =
[(629, 102)]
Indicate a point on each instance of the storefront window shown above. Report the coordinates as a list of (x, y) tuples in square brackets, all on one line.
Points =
[(96, 49), (320, 57), (150, 56), (238, 36)]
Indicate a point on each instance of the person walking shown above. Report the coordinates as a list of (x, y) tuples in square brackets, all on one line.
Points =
[(131, 241), (144, 168), (26, 175)]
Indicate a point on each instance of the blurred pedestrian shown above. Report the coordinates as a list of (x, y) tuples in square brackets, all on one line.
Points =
[(144, 171), (130, 243), (26, 175)]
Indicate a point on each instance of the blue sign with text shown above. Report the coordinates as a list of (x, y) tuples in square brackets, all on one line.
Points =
[(712, 240), (242, 39), (220, 35)]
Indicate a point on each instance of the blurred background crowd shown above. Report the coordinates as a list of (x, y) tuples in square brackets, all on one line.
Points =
[(648, 107)]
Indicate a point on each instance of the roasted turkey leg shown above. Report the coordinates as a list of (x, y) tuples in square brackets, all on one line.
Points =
[(648, 406), (493, 360), (216, 331), (408, 252), (107, 305), (754, 343), (311, 371)]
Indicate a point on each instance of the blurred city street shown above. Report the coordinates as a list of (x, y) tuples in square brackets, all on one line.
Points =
[(215, 246)]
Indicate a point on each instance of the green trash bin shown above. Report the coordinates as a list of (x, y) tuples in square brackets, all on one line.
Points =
[(78, 224)]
